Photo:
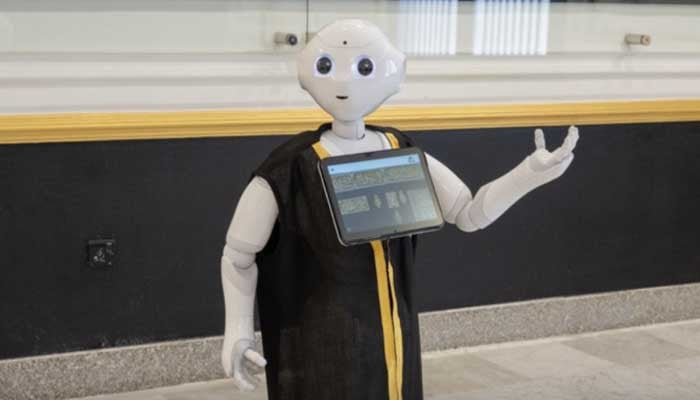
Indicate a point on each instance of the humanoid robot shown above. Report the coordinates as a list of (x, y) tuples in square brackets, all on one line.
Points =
[(350, 68)]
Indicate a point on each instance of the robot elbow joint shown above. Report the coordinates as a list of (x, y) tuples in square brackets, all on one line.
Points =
[(238, 259)]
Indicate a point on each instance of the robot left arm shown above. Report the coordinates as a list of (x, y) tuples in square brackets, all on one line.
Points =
[(248, 233), (493, 199)]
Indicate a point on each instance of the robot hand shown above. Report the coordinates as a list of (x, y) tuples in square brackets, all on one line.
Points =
[(494, 198), (241, 361), (551, 165)]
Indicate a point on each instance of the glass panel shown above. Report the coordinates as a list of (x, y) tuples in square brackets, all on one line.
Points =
[(148, 26), (419, 27), (522, 27)]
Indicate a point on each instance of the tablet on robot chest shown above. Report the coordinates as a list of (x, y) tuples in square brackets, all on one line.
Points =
[(380, 195)]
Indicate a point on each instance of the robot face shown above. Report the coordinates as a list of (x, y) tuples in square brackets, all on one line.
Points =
[(350, 68)]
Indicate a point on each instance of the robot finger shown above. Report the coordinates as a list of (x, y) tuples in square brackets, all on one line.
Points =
[(241, 381), (539, 139), (229, 368), (572, 137), (567, 147), (252, 368), (251, 378), (255, 358)]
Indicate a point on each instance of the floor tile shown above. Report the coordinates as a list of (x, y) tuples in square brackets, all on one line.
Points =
[(614, 383), (684, 372), (684, 335), (141, 395), (693, 325), (631, 348), (544, 360), (624, 383), (530, 390), (218, 390), (455, 373)]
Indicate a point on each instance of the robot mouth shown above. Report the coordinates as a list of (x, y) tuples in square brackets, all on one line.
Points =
[(341, 97)]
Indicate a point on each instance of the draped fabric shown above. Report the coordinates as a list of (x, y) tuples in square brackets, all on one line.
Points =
[(337, 322)]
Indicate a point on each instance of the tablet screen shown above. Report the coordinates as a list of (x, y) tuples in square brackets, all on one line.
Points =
[(380, 195)]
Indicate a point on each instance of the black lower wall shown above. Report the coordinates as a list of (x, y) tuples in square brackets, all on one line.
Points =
[(624, 216)]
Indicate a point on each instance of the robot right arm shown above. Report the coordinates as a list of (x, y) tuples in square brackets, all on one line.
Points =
[(493, 199), (250, 229)]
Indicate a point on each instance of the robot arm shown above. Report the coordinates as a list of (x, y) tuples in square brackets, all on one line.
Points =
[(494, 198), (451, 192), (248, 233)]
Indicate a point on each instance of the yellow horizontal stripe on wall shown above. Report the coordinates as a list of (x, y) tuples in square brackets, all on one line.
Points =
[(79, 127)]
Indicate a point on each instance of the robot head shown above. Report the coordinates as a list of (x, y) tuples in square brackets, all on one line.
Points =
[(350, 68)]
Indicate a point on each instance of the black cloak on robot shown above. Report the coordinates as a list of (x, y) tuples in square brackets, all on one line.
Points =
[(337, 322)]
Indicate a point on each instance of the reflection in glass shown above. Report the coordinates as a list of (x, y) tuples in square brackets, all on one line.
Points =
[(511, 27), (427, 27)]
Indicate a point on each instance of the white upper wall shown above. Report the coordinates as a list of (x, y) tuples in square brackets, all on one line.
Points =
[(137, 55)]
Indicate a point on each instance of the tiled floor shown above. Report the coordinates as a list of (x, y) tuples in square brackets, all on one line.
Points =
[(649, 363)]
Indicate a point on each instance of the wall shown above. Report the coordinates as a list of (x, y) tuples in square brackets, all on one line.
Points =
[(624, 216), (81, 55)]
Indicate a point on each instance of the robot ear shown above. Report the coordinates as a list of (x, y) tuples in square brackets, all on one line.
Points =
[(400, 66), (301, 74), (398, 58)]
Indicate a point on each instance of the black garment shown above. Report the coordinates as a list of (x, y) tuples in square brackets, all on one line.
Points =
[(320, 318)]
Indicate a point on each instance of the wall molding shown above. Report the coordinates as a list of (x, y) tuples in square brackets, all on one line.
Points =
[(83, 127)]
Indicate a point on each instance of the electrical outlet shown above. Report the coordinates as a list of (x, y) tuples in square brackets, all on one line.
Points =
[(101, 253)]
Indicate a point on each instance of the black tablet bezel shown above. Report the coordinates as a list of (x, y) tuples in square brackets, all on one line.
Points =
[(348, 239)]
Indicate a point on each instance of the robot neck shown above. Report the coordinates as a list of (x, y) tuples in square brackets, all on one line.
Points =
[(354, 130)]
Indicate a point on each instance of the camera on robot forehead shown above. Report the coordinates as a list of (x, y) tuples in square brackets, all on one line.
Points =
[(350, 68)]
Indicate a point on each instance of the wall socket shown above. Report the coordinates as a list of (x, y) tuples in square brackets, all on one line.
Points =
[(101, 253)]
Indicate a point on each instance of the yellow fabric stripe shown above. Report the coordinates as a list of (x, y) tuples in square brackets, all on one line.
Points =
[(321, 151), (392, 140), (398, 336), (385, 312), (391, 324)]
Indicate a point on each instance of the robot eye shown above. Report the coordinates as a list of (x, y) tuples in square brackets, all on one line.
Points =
[(365, 66), (324, 65)]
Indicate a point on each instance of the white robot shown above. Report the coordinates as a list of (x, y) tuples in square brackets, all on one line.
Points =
[(350, 68)]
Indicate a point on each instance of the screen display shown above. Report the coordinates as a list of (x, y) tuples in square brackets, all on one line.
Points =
[(383, 195)]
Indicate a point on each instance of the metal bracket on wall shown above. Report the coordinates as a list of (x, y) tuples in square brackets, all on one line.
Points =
[(637, 39), (285, 39)]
